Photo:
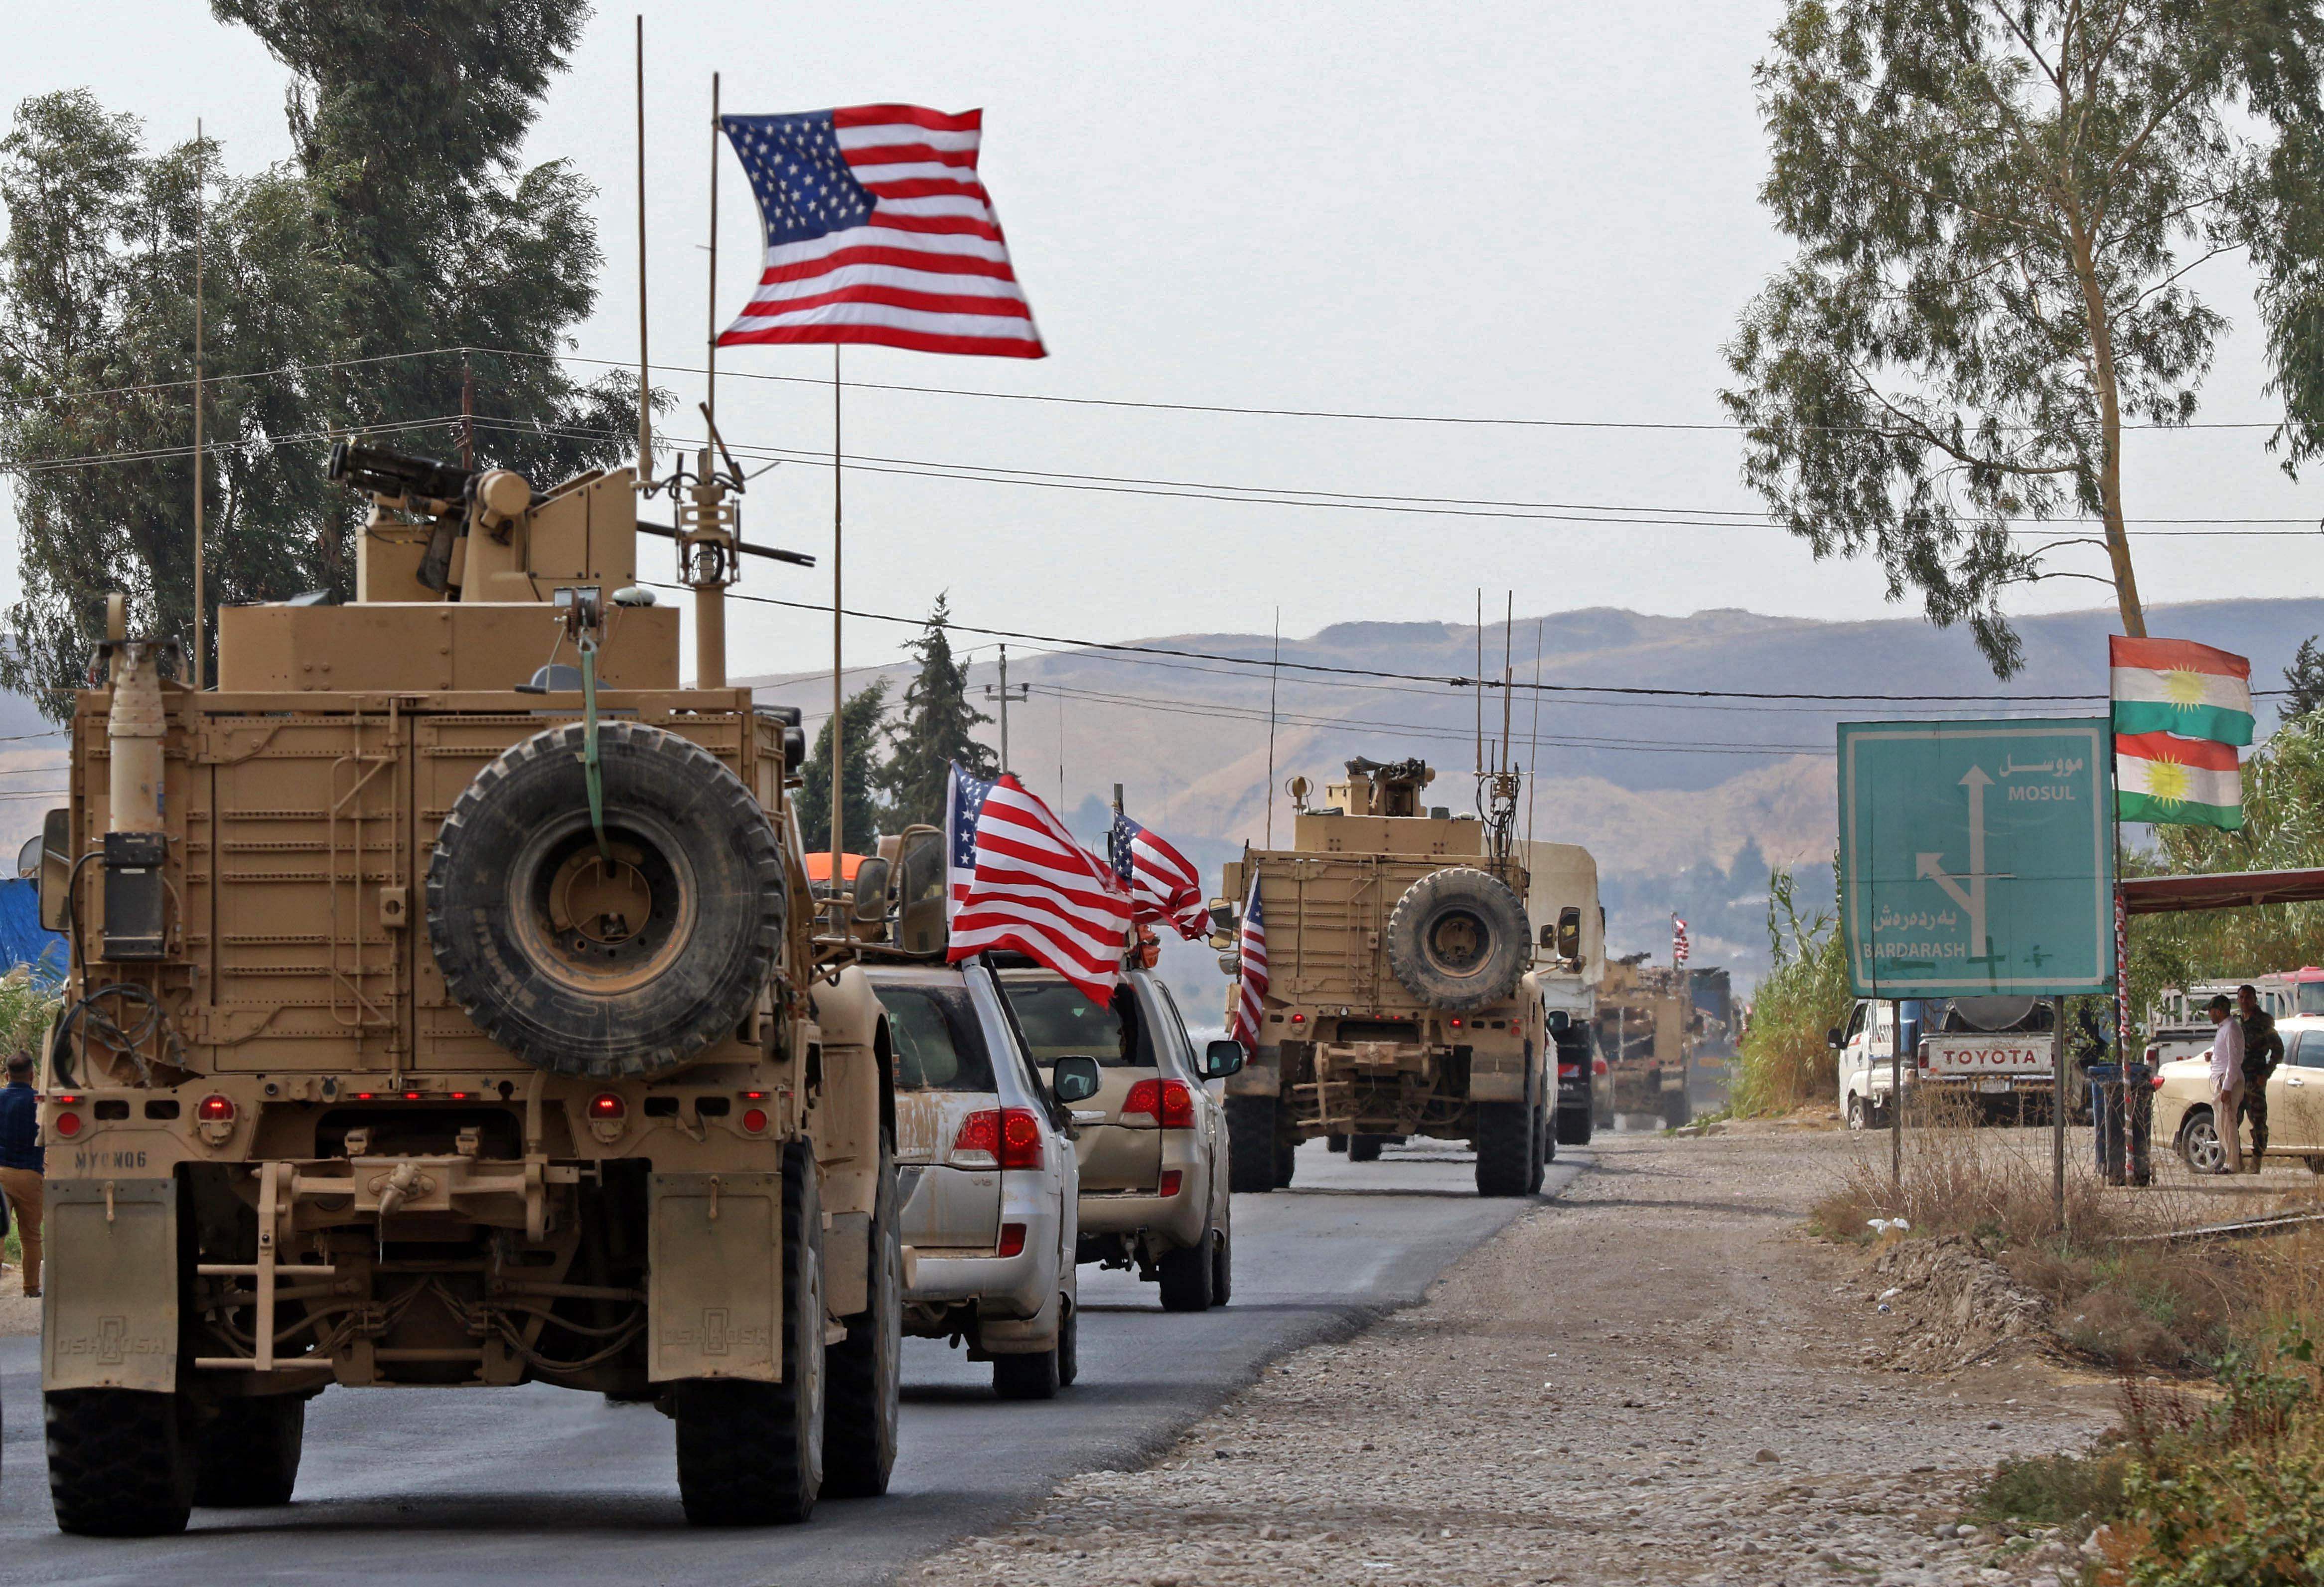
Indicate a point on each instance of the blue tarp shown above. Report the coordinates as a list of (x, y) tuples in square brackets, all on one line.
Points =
[(23, 938)]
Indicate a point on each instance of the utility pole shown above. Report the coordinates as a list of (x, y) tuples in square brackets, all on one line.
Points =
[(468, 415), (1023, 691)]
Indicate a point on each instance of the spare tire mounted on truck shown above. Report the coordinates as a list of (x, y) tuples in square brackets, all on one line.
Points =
[(1457, 939), (599, 970)]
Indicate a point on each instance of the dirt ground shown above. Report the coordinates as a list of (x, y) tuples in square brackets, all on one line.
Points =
[(1658, 1377)]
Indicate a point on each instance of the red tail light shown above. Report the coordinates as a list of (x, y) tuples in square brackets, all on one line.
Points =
[(1171, 1179), (1597, 1065), (67, 1125), (1012, 1239), (606, 1105), (1168, 1102), (215, 1110), (754, 1121), (1004, 1137)]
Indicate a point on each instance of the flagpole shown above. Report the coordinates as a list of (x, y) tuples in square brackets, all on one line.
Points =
[(838, 755), (202, 628), (645, 380), (711, 394), (1273, 671)]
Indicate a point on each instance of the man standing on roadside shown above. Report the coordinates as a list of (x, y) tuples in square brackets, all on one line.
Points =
[(21, 1162), (2226, 1081), (2262, 1051)]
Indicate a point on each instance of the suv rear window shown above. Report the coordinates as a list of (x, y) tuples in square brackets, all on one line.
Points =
[(1059, 1020), (939, 1046)]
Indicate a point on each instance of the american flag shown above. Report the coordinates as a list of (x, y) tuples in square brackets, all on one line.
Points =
[(1163, 883), (1034, 890), (879, 230), (1678, 942), (1250, 950), (964, 797)]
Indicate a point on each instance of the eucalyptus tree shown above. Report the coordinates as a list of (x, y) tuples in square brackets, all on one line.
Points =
[(1999, 207)]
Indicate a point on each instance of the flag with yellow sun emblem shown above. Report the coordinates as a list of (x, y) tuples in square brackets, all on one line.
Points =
[(2180, 711)]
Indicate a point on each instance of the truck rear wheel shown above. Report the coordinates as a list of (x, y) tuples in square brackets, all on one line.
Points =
[(1545, 1148), (749, 1453), (593, 969), (1457, 939), (248, 1455), (865, 1370), (1505, 1149), (1286, 1158), (1364, 1149), (121, 1462), (1573, 1126), (1250, 1144), (1186, 1275)]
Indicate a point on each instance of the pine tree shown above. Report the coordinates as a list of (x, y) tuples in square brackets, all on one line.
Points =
[(935, 732), (865, 818), (2306, 678)]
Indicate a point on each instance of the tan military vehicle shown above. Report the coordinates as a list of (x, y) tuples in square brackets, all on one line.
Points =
[(1403, 998), (448, 1006), (1648, 1027)]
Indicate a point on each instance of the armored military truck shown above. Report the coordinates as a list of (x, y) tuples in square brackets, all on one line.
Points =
[(1403, 994), (448, 1006)]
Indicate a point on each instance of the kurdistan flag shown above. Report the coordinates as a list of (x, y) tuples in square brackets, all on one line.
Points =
[(2177, 781), (2178, 686)]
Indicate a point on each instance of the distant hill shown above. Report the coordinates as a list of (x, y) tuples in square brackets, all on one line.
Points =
[(1685, 802)]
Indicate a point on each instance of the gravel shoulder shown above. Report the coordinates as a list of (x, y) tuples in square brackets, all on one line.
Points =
[(1658, 1377)]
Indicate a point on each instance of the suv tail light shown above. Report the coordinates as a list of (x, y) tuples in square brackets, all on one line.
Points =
[(1000, 1138), (1012, 1239), (1168, 1103)]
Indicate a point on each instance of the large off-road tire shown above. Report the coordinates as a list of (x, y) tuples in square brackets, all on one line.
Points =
[(1364, 1149), (1505, 1149), (1457, 939), (864, 1372), (749, 1453), (121, 1462), (587, 972), (249, 1453), (1286, 1158), (1574, 1126), (1250, 1144), (1677, 1109), (1187, 1275), (1545, 1148)]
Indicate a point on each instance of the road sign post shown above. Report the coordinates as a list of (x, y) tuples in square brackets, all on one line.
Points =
[(1976, 858)]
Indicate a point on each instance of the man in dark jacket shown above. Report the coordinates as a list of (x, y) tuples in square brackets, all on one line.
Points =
[(2262, 1051), (21, 1162)]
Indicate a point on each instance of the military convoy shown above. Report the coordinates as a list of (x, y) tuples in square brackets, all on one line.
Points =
[(1411, 992), (450, 1006)]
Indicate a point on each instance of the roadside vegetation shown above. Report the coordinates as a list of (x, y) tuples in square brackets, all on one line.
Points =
[(1784, 1061)]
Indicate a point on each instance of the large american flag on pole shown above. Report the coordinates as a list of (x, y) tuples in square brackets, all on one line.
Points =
[(1163, 883), (1250, 953), (1034, 890), (1679, 942), (879, 230)]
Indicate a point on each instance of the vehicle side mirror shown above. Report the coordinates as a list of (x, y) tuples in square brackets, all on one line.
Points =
[(920, 872), (1832, 1037), (56, 868), (1075, 1079), (871, 905), (1223, 1057), (1569, 933), (1559, 1019)]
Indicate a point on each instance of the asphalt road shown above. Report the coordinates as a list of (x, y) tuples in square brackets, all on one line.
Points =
[(548, 1485)]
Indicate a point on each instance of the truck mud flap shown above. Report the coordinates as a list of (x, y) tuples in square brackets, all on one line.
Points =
[(714, 1279), (109, 1309)]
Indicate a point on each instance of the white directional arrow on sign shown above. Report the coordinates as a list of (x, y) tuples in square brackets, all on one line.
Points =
[(1931, 867)]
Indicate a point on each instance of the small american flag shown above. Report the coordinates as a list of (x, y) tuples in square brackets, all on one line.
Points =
[(1678, 942), (964, 797), (1035, 891), (1250, 952), (879, 230), (1163, 883)]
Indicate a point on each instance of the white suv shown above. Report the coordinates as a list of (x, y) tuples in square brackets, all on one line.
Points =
[(987, 1177)]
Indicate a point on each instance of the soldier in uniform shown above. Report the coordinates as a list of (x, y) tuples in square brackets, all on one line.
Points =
[(2262, 1051)]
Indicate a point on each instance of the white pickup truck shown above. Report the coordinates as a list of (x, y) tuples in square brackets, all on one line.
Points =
[(1995, 1050)]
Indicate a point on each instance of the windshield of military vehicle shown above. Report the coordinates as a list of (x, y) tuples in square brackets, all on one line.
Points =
[(1059, 1020), (939, 1047)]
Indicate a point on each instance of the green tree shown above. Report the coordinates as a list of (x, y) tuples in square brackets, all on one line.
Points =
[(404, 224), (1997, 205), (864, 816), (2306, 678), (935, 730)]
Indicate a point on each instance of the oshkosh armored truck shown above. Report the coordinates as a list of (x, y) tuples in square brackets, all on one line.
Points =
[(1403, 994), (448, 1006)]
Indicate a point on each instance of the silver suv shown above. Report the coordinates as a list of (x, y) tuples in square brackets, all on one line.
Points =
[(987, 1177), (1153, 1140)]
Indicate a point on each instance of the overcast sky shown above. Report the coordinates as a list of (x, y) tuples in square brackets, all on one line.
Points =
[(1497, 209)]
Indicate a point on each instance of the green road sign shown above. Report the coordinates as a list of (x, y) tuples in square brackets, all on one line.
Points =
[(1977, 857)]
